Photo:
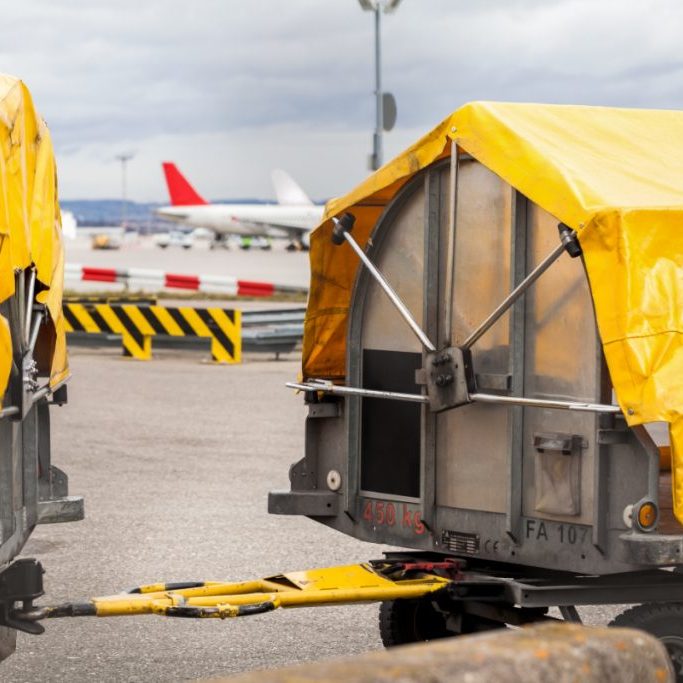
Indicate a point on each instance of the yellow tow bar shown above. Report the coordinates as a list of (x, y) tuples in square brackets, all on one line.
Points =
[(375, 581)]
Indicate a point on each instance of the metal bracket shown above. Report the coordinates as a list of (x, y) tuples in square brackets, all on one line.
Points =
[(613, 430), (64, 509), (60, 396), (25, 390), (450, 378), (567, 444), (327, 409)]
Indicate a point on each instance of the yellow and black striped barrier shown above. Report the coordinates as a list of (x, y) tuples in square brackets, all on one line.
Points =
[(138, 324)]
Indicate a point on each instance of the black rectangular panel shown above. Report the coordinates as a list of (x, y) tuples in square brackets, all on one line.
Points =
[(390, 430)]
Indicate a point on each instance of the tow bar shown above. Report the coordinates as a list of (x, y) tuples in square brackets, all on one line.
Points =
[(375, 581)]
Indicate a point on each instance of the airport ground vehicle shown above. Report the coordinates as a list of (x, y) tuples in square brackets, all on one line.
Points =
[(475, 306), (175, 238), (466, 410), (33, 366)]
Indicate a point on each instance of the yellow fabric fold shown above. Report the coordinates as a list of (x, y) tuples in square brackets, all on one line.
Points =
[(30, 231)]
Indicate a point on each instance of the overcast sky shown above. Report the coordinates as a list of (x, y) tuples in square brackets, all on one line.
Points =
[(229, 89)]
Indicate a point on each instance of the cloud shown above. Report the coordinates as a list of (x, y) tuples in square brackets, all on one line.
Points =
[(234, 88)]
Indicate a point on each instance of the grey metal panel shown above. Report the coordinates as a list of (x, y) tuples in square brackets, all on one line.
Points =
[(478, 496), (8, 444), (329, 440), (437, 214), (542, 542), (30, 436), (401, 261), (562, 338), (399, 254), (561, 361), (471, 458), (518, 316), (472, 442), (408, 209), (482, 260), (631, 472)]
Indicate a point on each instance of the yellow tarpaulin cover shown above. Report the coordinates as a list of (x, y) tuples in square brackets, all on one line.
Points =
[(30, 231), (615, 176)]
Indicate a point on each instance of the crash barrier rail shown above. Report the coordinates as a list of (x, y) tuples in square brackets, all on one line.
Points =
[(138, 324), (139, 278), (129, 321), (272, 331), (534, 654)]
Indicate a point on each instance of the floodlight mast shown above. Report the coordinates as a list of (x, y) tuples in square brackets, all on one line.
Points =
[(124, 159), (377, 6)]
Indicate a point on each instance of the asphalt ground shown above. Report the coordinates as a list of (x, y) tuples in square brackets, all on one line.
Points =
[(175, 458)]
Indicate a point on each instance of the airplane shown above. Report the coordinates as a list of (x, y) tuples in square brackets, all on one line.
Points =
[(292, 218)]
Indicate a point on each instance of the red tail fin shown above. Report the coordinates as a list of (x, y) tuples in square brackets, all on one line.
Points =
[(180, 191)]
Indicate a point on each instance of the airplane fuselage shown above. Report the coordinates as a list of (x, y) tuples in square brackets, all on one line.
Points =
[(268, 220)]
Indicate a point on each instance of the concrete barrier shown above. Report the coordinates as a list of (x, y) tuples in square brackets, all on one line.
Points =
[(138, 324), (547, 653)]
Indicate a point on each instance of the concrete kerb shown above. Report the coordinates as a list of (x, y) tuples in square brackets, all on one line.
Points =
[(547, 653)]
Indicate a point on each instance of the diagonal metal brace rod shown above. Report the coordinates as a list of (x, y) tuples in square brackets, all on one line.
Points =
[(329, 388), (342, 227), (519, 290), (581, 406), (29, 305)]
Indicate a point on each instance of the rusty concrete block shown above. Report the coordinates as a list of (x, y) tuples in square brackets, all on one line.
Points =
[(547, 653)]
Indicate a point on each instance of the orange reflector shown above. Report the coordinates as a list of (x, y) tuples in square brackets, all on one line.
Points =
[(647, 515)]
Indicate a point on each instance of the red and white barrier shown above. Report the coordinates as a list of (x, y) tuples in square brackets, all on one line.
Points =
[(143, 278)]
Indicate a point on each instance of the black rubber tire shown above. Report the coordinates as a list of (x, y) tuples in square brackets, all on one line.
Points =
[(410, 621), (663, 620)]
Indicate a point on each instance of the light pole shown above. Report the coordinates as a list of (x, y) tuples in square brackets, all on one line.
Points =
[(124, 159), (385, 102)]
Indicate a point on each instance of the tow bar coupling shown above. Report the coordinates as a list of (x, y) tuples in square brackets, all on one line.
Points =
[(21, 583)]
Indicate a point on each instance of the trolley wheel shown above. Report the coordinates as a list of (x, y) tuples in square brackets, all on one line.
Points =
[(411, 621), (414, 621), (665, 621)]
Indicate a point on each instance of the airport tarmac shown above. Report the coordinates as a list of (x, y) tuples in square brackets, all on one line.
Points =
[(276, 265), (175, 458)]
